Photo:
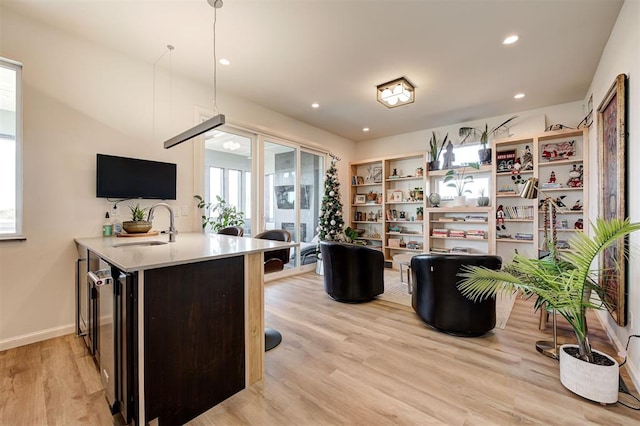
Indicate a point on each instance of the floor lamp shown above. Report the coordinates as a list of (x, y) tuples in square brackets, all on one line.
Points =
[(549, 207)]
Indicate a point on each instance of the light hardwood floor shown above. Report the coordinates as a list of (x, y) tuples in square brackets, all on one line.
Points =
[(368, 364)]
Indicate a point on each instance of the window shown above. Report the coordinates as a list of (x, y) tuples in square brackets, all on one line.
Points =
[(215, 184), (10, 149), (247, 195), (235, 183)]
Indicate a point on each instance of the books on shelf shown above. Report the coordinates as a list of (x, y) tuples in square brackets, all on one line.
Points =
[(440, 232), (450, 219), (518, 212), (475, 218), (476, 234), (524, 236), (456, 233)]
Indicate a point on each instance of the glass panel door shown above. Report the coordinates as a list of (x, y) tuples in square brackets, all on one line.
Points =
[(311, 175), (227, 169), (281, 193)]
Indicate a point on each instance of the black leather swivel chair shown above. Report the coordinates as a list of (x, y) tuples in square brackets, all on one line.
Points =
[(439, 303), (274, 261), (352, 273), (235, 231)]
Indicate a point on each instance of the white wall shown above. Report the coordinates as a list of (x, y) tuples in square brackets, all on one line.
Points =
[(527, 123), (80, 99), (622, 56)]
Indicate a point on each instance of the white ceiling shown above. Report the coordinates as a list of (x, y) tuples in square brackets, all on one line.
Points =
[(287, 54)]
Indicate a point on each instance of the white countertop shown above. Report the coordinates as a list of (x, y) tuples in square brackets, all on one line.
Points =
[(188, 248)]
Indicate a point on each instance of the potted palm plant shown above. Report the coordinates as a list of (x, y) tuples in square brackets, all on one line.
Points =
[(435, 149), (220, 215), (564, 284), (458, 181), (137, 224), (484, 153)]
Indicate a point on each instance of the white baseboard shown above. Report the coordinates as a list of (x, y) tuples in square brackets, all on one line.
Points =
[(27, 339), (619, 347)]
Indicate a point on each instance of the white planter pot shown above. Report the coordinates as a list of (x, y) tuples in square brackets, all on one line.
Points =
[(459, 201), (319, 268), (595, 382)]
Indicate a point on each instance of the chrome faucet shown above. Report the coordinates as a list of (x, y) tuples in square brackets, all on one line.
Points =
[(172, 229)]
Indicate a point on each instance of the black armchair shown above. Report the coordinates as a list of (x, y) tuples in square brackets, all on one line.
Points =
[(352, 273), (275, 260), (437, 300)]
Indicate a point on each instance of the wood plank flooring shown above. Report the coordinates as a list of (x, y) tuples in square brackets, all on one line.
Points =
[(339, 364)]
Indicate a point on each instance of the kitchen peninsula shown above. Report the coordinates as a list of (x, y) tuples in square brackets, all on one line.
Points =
[(184, 326)]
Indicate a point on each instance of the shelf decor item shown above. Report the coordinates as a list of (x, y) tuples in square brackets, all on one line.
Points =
[(435, 149), (484, 153), (459, 181), (563, 283), (613, 190)]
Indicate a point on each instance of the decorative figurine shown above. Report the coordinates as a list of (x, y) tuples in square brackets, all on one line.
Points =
[(552, 178), (527, 159), (579, 224), (576, 177), (395, 172), (449, 157), (500, 218), (577, 206)]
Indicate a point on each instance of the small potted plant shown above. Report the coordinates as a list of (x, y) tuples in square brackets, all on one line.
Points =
[(564, 284), (220, 215), (482, 200), (419, 213), (458, 181), (484, 153), (137, 224), (435, 149)]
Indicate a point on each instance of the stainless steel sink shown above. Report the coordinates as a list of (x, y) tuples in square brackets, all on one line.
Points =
[(141, 244)]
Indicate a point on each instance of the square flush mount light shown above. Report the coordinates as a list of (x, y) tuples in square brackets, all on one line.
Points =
[(396, 93)]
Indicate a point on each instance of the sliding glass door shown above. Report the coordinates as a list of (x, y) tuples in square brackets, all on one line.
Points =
[(228, 171), (288, 179)]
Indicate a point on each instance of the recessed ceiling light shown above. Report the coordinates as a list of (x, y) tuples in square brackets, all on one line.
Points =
[(315, 105), (511, 39), (224, 61), (519, 96), (365, 129)]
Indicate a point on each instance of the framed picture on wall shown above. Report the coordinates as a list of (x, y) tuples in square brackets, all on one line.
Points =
[(612, 159)]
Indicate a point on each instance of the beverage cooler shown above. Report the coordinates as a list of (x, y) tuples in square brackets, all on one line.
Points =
[(104, 299)]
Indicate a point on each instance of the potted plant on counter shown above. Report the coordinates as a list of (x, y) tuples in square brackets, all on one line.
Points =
[(484, 153), (564, 284), (137, 224)]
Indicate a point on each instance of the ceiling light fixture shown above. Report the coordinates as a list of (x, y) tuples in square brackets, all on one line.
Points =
[(519, 96), (365, 129), (396, 93), (231, 145), (511, 39), (315, 105), (224, 61), (218, 119)]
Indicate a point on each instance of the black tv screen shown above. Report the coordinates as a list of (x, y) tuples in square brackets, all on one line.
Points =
[(122, 177)]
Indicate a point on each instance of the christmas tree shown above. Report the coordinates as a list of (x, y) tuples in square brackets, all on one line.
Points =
[(330, 221)]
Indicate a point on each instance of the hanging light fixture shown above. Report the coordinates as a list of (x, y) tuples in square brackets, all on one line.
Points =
[(396, 93), (218, 119)]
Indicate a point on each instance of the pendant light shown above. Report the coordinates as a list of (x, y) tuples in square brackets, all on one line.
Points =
[(218, 119)]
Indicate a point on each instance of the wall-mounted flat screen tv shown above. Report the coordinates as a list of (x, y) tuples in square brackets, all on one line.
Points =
[(122, 177)]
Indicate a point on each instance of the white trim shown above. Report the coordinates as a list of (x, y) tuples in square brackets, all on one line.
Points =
[(39, 336), (619, 347)]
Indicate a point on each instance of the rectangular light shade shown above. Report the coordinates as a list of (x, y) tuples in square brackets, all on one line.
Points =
[(396, 93), (205, 126)]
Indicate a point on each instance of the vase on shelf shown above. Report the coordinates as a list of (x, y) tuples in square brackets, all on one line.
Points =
[(459, 201)]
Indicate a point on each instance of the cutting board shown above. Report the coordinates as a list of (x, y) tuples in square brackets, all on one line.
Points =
[(142, 234)]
